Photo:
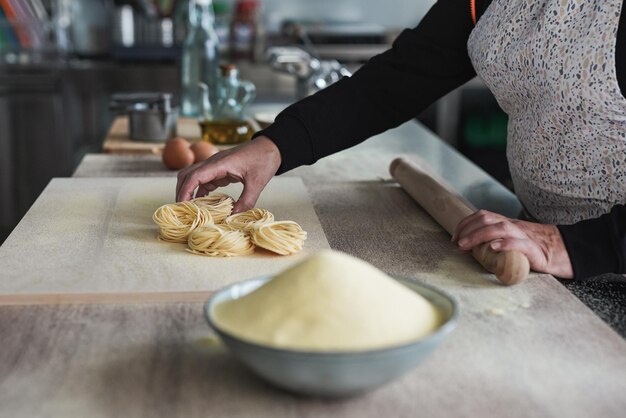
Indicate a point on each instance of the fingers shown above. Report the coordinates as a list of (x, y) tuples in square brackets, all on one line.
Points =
[(253, 164), (474, 221), (205, 189), (535, 241), (204, 174), (496, 231), (529, 248), (182, 175), (225, 181), (464, 222), (186, 188), (248, 198)]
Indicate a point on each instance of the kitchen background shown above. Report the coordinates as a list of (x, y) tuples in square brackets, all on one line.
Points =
[(389, 13), (61, 61)]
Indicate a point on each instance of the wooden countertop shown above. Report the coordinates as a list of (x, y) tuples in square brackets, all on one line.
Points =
[(117, 140), (529, 350)]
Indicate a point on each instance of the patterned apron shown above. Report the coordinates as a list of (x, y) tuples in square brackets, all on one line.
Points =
[(551, 66)]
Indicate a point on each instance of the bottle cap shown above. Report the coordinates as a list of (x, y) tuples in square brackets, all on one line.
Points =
[(227, 69), (247, 6)]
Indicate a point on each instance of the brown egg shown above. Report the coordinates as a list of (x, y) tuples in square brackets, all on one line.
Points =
[(177, 154), (203, 150)]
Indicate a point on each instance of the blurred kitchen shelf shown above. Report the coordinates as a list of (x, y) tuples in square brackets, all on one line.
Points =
[(146, 53)]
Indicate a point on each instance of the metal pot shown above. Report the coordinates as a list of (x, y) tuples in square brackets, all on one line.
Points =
[(151, 115)]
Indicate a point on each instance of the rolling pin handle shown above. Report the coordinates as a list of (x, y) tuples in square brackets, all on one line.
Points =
[(510, 267), (448, 209)]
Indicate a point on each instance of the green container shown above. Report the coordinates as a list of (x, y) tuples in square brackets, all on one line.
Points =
[(487, 130)]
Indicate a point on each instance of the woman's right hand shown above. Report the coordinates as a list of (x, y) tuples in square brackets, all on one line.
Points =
[(253, 164), (542, 244)]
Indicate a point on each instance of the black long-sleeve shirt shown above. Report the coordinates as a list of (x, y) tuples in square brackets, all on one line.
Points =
[(424, 64)]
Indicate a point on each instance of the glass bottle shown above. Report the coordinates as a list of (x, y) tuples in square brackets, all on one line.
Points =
[(244, 30), (226, 123), (200, 62)]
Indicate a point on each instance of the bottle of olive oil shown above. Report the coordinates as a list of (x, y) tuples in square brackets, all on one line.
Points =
[(226, 123), (226, 131)]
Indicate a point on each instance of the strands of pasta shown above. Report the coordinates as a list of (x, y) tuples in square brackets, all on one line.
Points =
[(208, 228), (177, 220), (284, 237), (219, 204), (248, 220), (219, 241)]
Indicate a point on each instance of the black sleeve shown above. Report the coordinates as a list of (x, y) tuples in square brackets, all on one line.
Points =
[(597, 246), (423, 65)]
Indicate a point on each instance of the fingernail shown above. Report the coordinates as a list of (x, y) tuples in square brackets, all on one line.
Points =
[(463, 242), (495, 245)]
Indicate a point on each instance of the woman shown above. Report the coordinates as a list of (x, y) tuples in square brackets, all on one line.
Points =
[(557, 67)]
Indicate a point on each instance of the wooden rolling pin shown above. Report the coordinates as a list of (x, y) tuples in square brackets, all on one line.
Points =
[(449, 208)]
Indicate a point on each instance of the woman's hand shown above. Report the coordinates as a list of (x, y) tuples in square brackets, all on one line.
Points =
[(541, 244), (253, 164)]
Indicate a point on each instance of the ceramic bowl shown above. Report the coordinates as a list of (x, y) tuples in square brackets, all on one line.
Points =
[(333, 374)]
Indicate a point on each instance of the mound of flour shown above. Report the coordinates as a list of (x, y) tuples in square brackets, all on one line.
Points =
[(329, 302)]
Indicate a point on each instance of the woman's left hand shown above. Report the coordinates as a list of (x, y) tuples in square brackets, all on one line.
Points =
[(541, 244)]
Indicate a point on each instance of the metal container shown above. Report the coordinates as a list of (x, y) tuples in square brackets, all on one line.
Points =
[(333, 374), (151, 115)]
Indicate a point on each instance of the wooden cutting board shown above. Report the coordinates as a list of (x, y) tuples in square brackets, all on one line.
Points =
[(93, 240), (118, 141)]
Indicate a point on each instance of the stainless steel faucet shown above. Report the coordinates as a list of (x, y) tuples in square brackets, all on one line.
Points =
[(312, 74)]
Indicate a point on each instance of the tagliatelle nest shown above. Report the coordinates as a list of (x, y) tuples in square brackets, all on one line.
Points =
[(219, 204), (177, 220), (283, 237), (219, 241), (248, 220), (208, 228)]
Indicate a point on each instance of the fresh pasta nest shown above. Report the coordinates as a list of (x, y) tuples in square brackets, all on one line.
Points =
[(219, 204), (209, 228), (248, 220), (219, 241), (284, 238), (177, 220)]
